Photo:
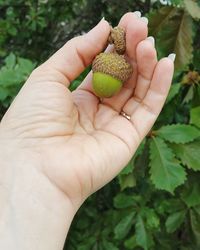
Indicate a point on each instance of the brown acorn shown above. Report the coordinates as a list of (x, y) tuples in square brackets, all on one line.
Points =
[(117, 37)]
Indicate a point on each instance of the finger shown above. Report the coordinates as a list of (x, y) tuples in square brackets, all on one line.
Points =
[(79, 52), (146, 63), (146, 113), (136, 30)]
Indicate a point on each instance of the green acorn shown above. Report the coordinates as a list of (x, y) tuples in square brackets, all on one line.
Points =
[(111, 70)]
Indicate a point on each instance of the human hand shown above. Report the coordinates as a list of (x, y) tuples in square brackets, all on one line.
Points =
[(65, 145), (78, 141)]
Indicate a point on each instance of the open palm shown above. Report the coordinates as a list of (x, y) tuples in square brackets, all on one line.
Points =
[(79, 141)]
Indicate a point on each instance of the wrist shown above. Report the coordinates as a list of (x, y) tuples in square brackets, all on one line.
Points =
[(34, 213)]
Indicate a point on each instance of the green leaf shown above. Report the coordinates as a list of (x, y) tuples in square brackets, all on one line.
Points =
[(152, 220), (124, 226), (177, 38), (4, 93), (169, 205), (195, 116), (14, 74), (175, 220), (178, 133), (10, 61), (189, 95), (173, 28), (128, 169), (174, 90), (108, 245), (131, 243), (127, 181), (189, 154), (195, 223), (191, 195), (12, 77), (25, 66), (176, 2), (165, 172), (123, 201), (193, 8), (141, 234), (160, 19), (126, 177), (130, 166), (7, 77)]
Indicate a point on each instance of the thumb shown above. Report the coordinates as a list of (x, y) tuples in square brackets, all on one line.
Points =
[(79, 52)]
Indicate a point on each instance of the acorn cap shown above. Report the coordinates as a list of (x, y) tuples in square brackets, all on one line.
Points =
[(117, 37), (114, 65)]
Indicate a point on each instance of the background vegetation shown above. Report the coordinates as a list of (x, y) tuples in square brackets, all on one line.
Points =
[(154, 203)]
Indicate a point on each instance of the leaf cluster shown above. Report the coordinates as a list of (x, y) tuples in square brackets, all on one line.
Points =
[(154, 203)]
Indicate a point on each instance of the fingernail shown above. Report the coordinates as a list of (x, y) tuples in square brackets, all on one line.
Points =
[(102, 19), (137, 13), (144, 19), (151, 39), (172, 56)]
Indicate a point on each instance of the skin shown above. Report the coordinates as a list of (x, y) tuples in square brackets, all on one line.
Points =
[(58, 147)]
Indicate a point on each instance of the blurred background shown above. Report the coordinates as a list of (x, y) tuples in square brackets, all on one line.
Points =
[(154, 203)]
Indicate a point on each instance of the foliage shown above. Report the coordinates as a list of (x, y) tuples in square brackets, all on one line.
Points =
[(12, 75), (154, 203)]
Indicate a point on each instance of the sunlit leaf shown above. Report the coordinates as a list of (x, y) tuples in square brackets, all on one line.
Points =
[(177, 37), (178, 133), (25, 66), (159, 19), (189, 154), (193, 8), (173, 29), (152, 219), (10, 61), (195, 116), (127, 181)]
